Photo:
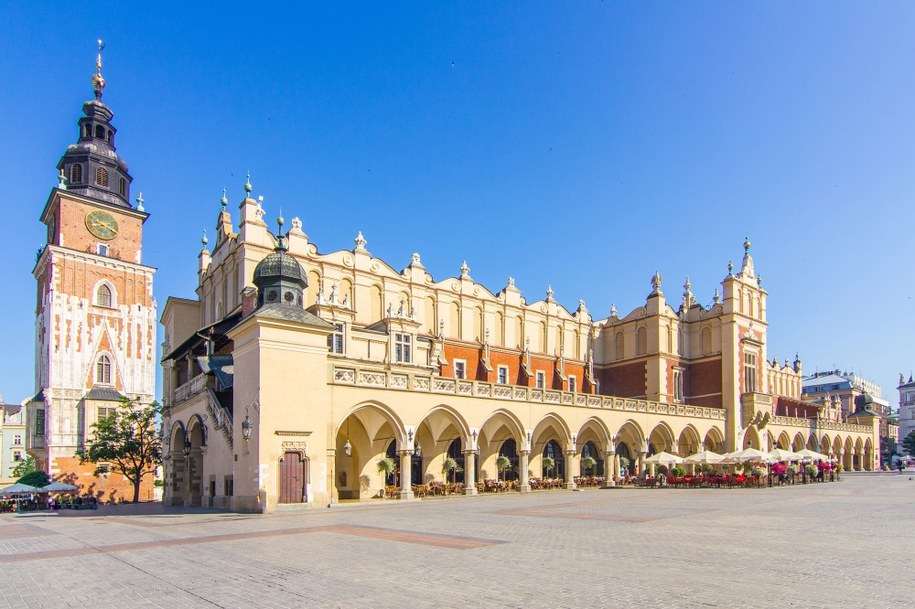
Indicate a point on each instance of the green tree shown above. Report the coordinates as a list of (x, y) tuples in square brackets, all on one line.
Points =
[(126, 439), (34, 478), (908, 443), (26, 466)]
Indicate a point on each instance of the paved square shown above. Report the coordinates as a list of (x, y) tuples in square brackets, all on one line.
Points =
[(823, 545)]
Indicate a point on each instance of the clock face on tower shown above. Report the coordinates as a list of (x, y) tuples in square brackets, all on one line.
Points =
[(102, 224)]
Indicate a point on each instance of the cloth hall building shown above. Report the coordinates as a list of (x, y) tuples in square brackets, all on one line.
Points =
[(294, 372)]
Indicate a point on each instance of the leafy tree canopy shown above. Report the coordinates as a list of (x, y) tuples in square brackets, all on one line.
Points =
[(26, 466), (34, 478), (908, 443), (126, 440)]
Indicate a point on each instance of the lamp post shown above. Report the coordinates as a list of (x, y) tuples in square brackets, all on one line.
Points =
[(246, 428)]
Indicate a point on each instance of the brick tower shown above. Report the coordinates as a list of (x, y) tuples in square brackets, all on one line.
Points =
[(95, 319)]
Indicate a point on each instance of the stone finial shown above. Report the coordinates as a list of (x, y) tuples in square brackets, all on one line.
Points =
[(248, 187), (549, 292), (414, 259), (613, 311), (140, 202), (511, 282), (204, 239), (717, 297), (296, 223), (465, 270), (224, 201), (360, 241), (656, 280), (730, 269)]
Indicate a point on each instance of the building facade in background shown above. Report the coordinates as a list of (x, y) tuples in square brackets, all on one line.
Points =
[(841, 390), (95, 324), (293, 373), (906, 407), (12, 440)]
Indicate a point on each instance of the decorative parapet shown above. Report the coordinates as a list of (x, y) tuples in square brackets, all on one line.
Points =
[(423, 382), (820, 424)]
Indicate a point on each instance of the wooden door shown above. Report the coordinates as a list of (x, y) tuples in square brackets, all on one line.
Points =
[(292, 478)]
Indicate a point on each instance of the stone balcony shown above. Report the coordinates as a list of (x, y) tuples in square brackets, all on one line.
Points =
[(423, 381)]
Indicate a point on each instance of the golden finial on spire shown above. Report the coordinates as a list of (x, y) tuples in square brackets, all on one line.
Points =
[(98, 82)]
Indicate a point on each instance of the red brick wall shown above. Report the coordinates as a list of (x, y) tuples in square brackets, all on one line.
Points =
[(475, 370), (627, 380), (702, 379), (110, 488)]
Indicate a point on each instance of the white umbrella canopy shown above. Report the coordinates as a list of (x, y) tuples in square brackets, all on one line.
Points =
[(664, 458), (811, 454), (780, 454), (747, 454), (18, 488), (706, 456), (58, 487)]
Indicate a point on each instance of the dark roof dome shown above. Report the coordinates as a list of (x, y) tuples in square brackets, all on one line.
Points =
[(279, 265)]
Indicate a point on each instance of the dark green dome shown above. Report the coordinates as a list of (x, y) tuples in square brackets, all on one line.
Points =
[(279, 265)]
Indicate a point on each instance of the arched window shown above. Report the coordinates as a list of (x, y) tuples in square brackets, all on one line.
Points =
[(100, 132), (619, 345), (641, 341), (76, 174), (706, 341), (122, 187), (101, 176), (103, 296), (103, 370)]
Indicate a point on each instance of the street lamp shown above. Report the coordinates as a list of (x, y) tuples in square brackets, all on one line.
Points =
[(246, 428), (187, 447)]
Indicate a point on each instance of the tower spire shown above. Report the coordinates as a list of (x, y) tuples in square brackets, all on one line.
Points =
[(98, 81)]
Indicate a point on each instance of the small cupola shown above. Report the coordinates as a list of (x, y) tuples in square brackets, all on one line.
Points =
[(279, 277)]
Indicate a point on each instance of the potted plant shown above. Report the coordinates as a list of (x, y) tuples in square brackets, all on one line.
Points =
[(450, 465), (587, 463), (386, 466), (549, 463), (678, 472), (502, 464)]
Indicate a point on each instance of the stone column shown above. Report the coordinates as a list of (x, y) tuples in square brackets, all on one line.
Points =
[(611, 471), (470, 472), (571, 469), (406, 475), (641, 461), (523, 466)]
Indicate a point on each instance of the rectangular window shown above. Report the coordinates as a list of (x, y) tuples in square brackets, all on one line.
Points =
[(103, 468), (335, 340), (102, 249), (228, 486), (17, 440), (503, 375), (573, 383), (749, 372), (541, 379), (39, 422), (402, 348), (678, 385), (460, 369), (105, 412), (17, 455)]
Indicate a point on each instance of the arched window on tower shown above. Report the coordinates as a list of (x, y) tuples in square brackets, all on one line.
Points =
[(76, 173), (103, 370), (100, 132), (101, 176), (103, 296), (641, 341)]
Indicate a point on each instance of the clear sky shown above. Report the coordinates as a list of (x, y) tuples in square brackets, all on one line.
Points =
[(583, 145)]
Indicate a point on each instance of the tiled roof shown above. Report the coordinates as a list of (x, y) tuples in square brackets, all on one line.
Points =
[(105, 394), (289, 312)]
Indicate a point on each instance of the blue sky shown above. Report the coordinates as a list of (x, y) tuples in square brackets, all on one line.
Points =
[(582, 145)]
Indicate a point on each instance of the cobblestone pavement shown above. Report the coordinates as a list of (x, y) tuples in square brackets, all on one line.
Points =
[(822, 545)]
